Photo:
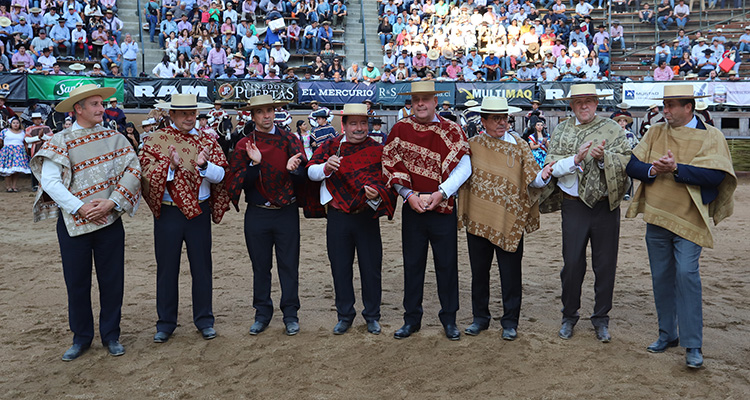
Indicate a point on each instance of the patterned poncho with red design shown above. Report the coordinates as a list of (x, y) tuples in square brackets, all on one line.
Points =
[(360, 166), (187, 181), (273, 184), (421, 156)]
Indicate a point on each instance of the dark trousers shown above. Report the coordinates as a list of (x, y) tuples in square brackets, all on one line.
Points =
[(417, 232), (481, 252), (170, 231), (264, 230), (346, 233), (108, 248), (581, 224)]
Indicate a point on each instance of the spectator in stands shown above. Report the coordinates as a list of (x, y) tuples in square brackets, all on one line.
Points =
[(339, 13), (663, 72), (371, 74), (129, 53), (310, 41), (717, 47), (354, 73), (166, 69), (272, 66), (39, 43), (336, 67), (22, 57), (47, 59), (707, 63), (744, 41), (713, 76), (387, 76), (662, 52), (385, 32), (491, 65), (666, 14), (675, 53), (681, 14), (97, 71), (281, 55), (697, 50), (616, 34), (255, 69), (389, 60), (229, 41), (216, 60), (166, 27), (151, 11), (401, 72), (79, 39), (558, 12), (646, 15), (237, 66), (582, 9), (111, 53), (292, 36), (604, 55), (419, 64), (261, 52), (61, 36), (686, 64)]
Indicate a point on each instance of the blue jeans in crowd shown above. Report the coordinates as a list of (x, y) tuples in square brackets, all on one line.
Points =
[(384, 38), (72, 50), (105, 65), (310, 44), (676, 279), (130, 68), (681, 22), (152, 24), (744, 47), (217, 70), (659, 58), (664, 22)]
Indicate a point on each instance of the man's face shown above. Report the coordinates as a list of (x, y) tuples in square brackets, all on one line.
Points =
[(677, 114), (356, 128), (585, 108), (184, 120), (90, 110), (424, 106), (263, 118), (128, 38), (495, 124)]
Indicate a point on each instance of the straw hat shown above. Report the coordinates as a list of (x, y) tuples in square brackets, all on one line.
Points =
[(238, 54), (652, 106), (627, 119), (623, 106), (83, 92), (183, 102), (148, 121), (582, 90), (448, 53), (699, 106), (355, 109), (77, 67), (679, 92), (471, 103), (35, 10), (495, 105), (422, 87), (5, 22), (263, 100), (533, 48), (36, 115)]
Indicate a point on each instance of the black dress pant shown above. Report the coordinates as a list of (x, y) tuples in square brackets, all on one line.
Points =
[(346, 233), (581, 224), (417, 232), (481, 252), (264, 230), (107, 245), (170, 231)]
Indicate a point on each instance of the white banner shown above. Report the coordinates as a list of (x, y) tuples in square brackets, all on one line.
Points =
[(639, 94)]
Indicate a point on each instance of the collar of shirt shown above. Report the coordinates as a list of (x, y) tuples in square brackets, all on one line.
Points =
[(192, 131), (693, 123), (76, 127), (272, 132)]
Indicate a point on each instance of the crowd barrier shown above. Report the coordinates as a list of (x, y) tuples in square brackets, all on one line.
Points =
[(144, 92)]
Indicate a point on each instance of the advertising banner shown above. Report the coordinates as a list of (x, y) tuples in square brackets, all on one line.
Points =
[(58, 87), (243, 90), (640, 94), (550, 92), (388, 92), (145, 91), (329, 92), (13, 87), (517, 93)]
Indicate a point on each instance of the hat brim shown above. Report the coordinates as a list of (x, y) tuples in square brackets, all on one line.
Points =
[(67, 104), (425, 92), (623, 116), (681, 97), (583, 96), (257, 106), (509, 110), (170, 107)]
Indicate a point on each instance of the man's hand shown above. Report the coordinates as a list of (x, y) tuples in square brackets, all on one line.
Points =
[(666, 164), (582, 152), (294, 162), (547, 170), (371, 193), (435, 199), (416, 203), (332, 165), (598, 151), (203, 157), (174, 158), (253, 153), (102, 208)]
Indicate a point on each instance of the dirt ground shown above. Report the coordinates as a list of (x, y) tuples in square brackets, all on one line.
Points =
[(318, 365)]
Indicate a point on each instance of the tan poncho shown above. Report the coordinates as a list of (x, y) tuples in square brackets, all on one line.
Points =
[(97, 163), (593, 182), (496, 202), (678, 207)]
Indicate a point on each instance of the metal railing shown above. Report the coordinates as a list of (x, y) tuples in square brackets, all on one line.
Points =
[(364, 31)]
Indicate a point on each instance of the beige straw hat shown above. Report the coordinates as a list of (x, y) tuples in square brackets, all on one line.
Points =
[(355, 109), (679, 92), (263, 100), (583, 90), (422, 87), (83, 92), (495, 105), (183, 102)]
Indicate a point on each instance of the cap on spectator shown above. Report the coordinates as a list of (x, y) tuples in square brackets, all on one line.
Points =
[(79, 23), (39, 115), (719, 30), (169, 13), (370, 65), (35, 10), (113, 65), (97, 66), (77, 67), (294, 22), (418, 51), (70, 7), (22, 18), (109, 11)]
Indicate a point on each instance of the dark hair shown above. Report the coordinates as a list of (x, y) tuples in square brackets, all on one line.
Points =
[(684, 102), (299, 125)]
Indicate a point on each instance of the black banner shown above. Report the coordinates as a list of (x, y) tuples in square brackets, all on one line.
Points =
[(13, 87), (145, 92), (243, 90), (551, 91)]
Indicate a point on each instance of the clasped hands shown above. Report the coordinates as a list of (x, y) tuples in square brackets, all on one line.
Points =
[(664, 165), (96, 210)]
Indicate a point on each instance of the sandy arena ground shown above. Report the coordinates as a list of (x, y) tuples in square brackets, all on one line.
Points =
[(318, 365)]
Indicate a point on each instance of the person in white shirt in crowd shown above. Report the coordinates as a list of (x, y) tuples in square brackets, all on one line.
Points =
[(551, 71), (590, 70), (697, 51)]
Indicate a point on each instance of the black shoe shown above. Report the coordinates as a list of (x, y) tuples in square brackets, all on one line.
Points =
[(694, 358), (75, 351), (258, 327), (475, 328), (660, 345), (406, 331), (373, 327), (208, 333), (115, 348), (566, 330), (341, 327), (509, 334), (602, 334), (161, 337), (451, 332), (292, 328)]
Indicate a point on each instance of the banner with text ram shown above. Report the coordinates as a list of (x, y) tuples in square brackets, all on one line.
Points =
[(550, 92), (640, 94), (58, 87), (145, 92), (13, 87), (388, 92), (243, 90), (517, 93), (329, 92)]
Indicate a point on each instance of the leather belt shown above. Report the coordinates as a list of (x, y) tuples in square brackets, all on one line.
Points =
[(267, 207), (173, 204), (129, 59)]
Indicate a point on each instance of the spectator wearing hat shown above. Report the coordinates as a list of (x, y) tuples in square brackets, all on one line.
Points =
[(97, 71), (39, 43), (491, 65), (744, 41), (280, 55), (71, 17), (47, 59), (60, 35), (389, 59), (79, 39), (707, 63), (717, 47), (111, 53), (325, 35), (662, 52), (371, 73), (166, 27), (419, 64), (237, 65), (293, 37)]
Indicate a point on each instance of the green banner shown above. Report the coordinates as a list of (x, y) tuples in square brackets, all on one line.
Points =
[(58, 87)]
